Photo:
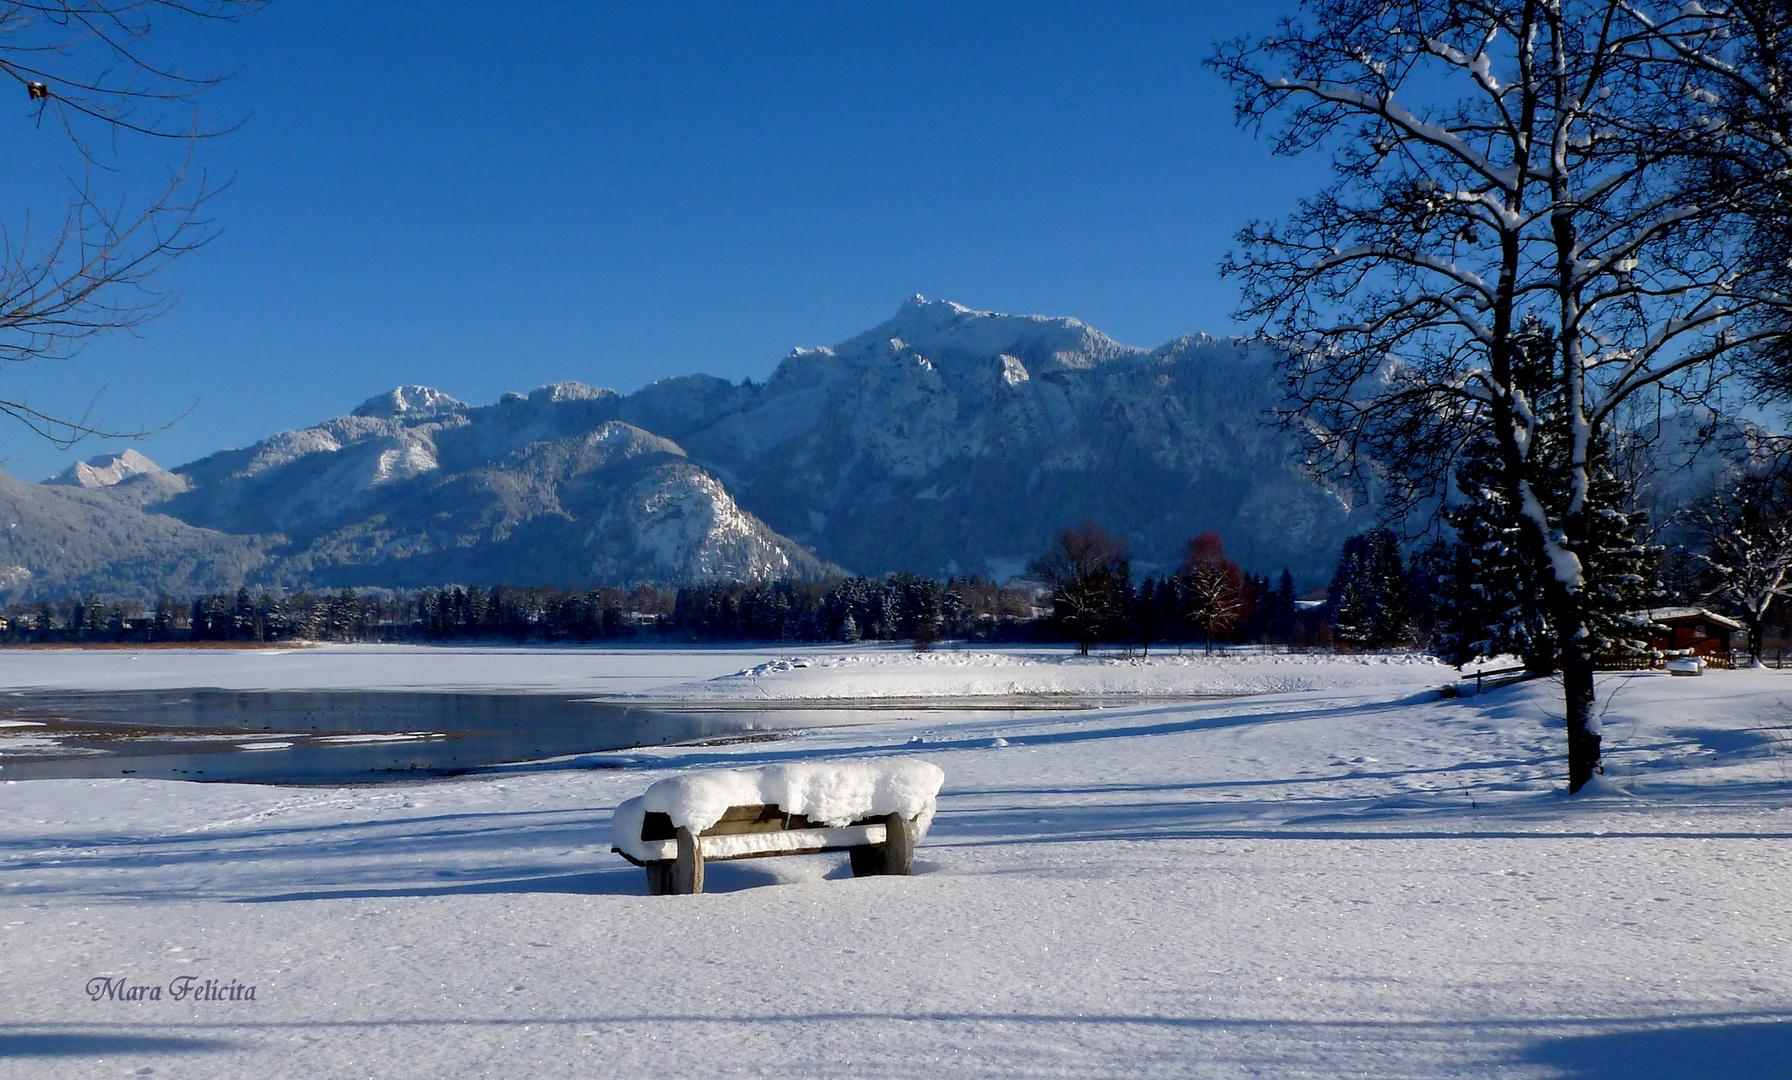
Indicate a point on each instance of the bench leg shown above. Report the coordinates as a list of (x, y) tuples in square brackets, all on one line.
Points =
[(899, 845), (687, 869), (896, 855), (659, 878)]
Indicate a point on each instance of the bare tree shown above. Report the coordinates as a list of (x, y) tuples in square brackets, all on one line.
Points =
[(1746, 535), (1734, 59), (1493, 160), (1089, 574), (98, 90), (1212, 587)]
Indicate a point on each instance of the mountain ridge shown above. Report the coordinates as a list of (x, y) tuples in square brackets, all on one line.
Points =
[(943, 440)]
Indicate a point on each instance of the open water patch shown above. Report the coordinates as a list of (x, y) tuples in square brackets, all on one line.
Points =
[(359, 736)]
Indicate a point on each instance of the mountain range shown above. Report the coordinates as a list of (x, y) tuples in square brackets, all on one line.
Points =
[(946, 440)]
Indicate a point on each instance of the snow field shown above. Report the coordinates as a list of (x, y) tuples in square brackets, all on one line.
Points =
[(370, 667), (825, 672), (1357, 881), (835, 673)]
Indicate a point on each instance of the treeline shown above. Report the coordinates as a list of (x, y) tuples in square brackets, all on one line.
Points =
[(239, 616), (1450, 597), (1209, 602), (451, 613)]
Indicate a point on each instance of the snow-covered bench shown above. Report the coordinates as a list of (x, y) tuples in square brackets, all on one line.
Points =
[(877, 810)]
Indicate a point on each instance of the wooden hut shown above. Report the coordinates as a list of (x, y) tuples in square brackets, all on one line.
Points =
[(1694, 631)]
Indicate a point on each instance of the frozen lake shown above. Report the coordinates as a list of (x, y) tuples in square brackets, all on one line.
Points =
[(371, 713), (363, 736)]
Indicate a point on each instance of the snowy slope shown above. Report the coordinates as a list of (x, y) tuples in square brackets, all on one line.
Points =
[(415, 488), (65, 539), (1360, 881), (949, 439), (1692, 453), (105, 470)]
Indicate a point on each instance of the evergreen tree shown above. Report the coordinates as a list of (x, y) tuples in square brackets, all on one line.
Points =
[(92, 620), (1282, 609), (163, 623), (917, 607), (1367, 597), (1489, 602), (1169, 608), (1490, 598), (1144, 615), (217, 618), (242, 616), (954, 611), (1621, 564)]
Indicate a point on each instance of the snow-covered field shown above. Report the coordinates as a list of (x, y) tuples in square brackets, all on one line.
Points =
[(835, 674), (791, 672), (371, 667), (1347, 876)]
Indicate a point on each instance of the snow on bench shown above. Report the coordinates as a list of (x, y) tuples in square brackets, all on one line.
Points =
[(877, 810)]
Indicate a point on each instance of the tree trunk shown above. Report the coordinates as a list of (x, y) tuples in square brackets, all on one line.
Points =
[(1583, 727)]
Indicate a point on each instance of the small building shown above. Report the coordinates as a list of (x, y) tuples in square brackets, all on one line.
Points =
[(1694, 631)]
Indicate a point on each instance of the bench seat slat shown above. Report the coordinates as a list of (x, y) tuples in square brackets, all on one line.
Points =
[(746, 845)]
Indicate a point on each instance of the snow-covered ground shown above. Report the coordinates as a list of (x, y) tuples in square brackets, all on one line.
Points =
[(838, 673), (808, 671), (1348, 877), (372, 667)]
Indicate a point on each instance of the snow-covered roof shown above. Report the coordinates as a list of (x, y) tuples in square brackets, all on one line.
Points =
[(1677, 613)]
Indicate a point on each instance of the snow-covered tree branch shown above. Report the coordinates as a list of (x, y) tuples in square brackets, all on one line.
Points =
[(1497, 166)]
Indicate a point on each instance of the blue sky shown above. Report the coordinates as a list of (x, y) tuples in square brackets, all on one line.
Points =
[(485, 198)]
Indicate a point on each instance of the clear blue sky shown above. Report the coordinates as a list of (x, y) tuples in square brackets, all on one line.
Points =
[(485, 197)]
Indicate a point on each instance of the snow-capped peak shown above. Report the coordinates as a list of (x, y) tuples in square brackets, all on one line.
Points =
[(941, 329), (554, 393), (408, 400), (105, 470)]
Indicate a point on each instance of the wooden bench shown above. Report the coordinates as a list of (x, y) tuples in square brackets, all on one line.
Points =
[(880, 845)]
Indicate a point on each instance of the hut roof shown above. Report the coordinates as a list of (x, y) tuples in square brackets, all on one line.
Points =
[(1687, 614)]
